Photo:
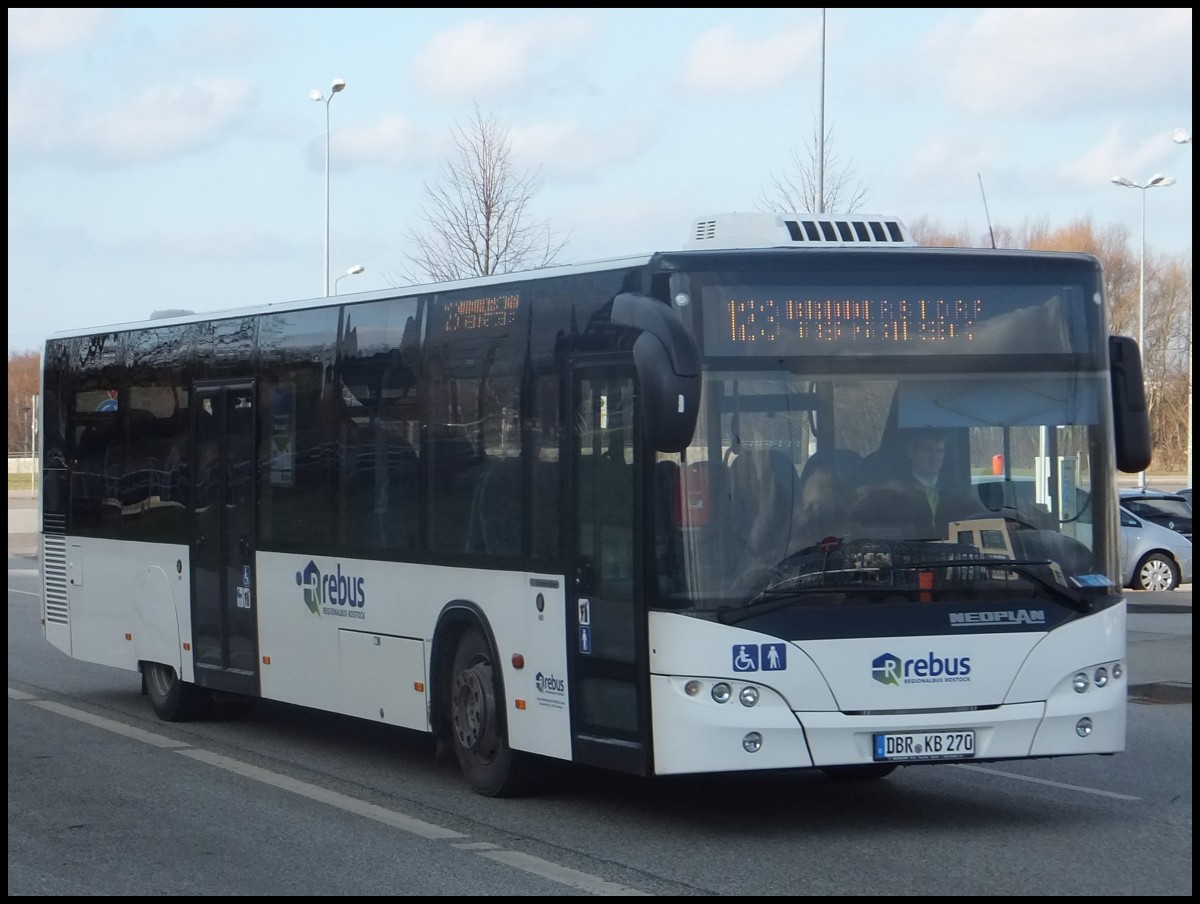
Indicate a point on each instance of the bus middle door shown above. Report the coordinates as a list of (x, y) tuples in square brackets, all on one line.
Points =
[(607, 639), (224, 602)]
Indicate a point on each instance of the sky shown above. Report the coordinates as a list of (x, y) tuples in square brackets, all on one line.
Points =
[(162, 159)]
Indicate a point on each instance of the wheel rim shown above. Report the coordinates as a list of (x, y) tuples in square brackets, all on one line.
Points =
[(1156, 575), (474, 711)]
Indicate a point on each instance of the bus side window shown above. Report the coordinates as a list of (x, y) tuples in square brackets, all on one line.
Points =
[(495, 527), (452, 475)]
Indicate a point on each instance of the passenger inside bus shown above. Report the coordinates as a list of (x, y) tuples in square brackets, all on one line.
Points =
[(830, 482), (920, 491)]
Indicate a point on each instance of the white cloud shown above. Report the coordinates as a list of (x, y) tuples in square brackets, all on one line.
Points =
[(723, 61), (164, 121), (34, 32), (390, 140), (1048, 62), (573, 148), (486, 58)]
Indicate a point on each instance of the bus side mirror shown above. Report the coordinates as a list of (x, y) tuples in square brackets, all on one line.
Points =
[(1131, 417), (668, 367)]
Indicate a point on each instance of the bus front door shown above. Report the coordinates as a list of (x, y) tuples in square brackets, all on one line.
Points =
[(607, 677), (224, 604)]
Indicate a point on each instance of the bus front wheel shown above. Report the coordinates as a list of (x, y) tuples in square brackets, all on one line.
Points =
[(173, 700), (490, 766)]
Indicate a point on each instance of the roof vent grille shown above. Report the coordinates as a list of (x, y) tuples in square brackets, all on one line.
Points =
[(772, 230)]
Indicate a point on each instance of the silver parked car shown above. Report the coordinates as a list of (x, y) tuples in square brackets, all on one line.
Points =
[(1153, 557)]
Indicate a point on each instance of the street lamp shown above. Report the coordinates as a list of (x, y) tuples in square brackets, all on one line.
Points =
[(337, 86), (1158, 180), (353, 271), (1183, 136)]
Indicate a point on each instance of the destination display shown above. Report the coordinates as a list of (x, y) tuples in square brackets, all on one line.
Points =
[(784, 320), (485, 312)]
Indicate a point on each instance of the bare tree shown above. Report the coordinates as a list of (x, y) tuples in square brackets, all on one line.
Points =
[(476, 215), (796, 191), (23, 377)]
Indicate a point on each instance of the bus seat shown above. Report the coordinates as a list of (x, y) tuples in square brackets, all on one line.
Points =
[(762, 495)]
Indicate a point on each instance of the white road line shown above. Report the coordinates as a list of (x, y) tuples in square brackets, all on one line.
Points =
[(563, 875), (1042, 781), (137, 734), (324, 795), (545, 869)]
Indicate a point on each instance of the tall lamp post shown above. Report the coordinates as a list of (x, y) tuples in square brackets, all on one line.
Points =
[(337, 86), (353, 271), (1156, 181), (1183, 136)]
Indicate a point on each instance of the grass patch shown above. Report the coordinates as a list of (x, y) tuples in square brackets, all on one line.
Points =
[(21, 482)]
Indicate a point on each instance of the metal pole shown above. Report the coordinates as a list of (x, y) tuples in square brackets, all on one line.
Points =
[(326, 283), (821, 127), (1142, 306)]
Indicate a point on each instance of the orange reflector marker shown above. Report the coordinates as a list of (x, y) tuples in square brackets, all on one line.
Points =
[(187, 644), (419, 687), (518, 660), (128, 636), (925, 582), (520, 704), (266, 660)]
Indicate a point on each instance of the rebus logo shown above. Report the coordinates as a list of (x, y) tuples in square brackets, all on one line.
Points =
[(310, 584), (548, 684), (886, 669), (336, 593), (931, 669)]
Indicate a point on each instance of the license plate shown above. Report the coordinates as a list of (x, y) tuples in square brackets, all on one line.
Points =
[(925, 745)]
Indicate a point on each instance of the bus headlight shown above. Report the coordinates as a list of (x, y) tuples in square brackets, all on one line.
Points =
[(748, 695), (752, 742), (1083, 727), (721, 692), (1080, 683), (1101, 676)]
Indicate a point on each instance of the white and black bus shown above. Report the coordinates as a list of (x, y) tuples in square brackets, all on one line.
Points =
[(648, 514)]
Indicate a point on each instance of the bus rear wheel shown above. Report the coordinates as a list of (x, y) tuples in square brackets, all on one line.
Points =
[(477, 728), (173, 700)]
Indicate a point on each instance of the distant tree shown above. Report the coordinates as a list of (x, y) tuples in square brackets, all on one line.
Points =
[(24, 369), (1167, 350), (476, 214), (795, 191)]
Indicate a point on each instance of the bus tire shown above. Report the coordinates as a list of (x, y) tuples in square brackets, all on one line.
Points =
[(173, 700), (476, 721), (863, 772)]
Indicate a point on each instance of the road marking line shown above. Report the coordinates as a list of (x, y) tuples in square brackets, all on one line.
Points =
[(563, 875), (137, 734), (1042, 781), (545, 869)]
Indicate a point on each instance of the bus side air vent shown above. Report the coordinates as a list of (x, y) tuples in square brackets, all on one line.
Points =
[(773, 230), (54, 579)]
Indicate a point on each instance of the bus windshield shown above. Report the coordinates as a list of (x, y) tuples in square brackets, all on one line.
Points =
[(882, 488)]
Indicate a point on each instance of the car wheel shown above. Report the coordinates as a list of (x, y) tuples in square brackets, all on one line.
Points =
[(1156, 572)]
